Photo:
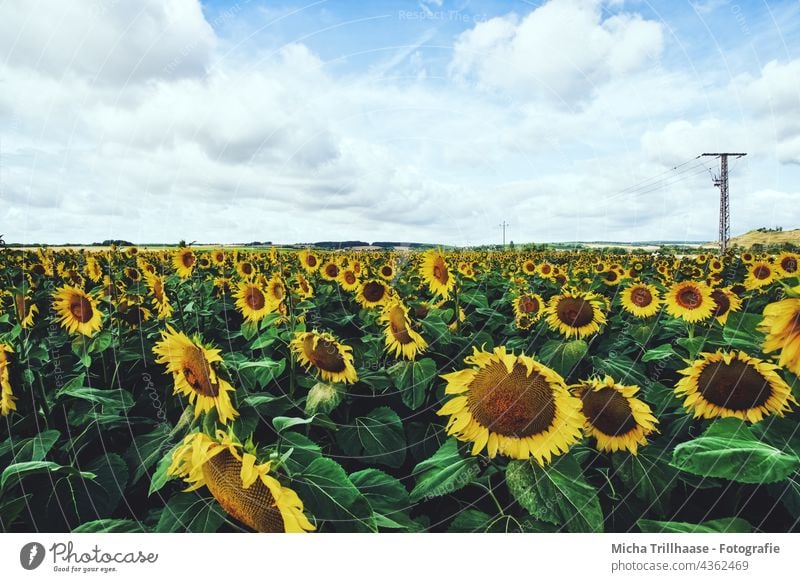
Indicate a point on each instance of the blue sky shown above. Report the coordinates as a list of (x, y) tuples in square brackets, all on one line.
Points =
[(431, 120)]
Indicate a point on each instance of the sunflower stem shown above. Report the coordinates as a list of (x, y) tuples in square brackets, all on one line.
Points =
[(292, 379), (456, 301)]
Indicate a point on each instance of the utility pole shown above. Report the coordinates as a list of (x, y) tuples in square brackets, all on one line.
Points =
[(721, 182), (503, 225)]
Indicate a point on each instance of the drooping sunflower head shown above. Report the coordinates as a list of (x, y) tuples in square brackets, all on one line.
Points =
[(781, 323), (641, 300), (725, 303), (242, 486), (511, 405), (759, 274), (158, 293), (252, 302), (77, 311), (614, 416), (183, 260), (399, 333), (133, 274), (303, 286), (575, 313), (373, 293), (132, 313), (724, 384), (193, 367), (332, 360), (7, 397), (26, 310), (690, 301), (436, 273)]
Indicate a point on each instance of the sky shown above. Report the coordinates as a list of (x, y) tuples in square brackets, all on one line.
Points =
[(430, 121)]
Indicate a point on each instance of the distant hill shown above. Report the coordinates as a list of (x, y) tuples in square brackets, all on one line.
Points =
[(768, 237)]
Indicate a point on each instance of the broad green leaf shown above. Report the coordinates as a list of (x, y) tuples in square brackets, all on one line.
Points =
[(648, 475), (304, 450), (724, 525), (281, 423), (728, 449), (474, 297), (557, 493), (111, 526), (160, 477), (563, 356), (445, 472), (261, 373), (662, 352), (621, 368), (470, 521), (413, 380), (386, 495), (19, 471), (189, 512), (375, 438)]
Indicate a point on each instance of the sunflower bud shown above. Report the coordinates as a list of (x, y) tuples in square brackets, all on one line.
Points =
[(323, 398)]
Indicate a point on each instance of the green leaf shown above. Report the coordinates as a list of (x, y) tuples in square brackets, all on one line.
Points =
[(189, 512), (622, 369), (116, 399), (470, 521), (375, 438), (563, 356), (33, 448), (728, 449), (648, 475), (386, 495), (642, 333), (724, 525), (281, 423), (110, 526), (693, 345), (557, 493), (329, 495), (413, 380), (304, 451), (160, 477), (474, 297), (262, 373), (446, 471), (19, 471), (662, 352)]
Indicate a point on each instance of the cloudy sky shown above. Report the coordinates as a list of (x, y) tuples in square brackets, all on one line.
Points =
[(431, 120)]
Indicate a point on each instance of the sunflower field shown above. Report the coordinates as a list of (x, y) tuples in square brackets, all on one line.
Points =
[(211, 390)]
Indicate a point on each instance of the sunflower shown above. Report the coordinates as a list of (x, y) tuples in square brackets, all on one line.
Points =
[(725, 303), (7, 397), (132, 313), (400, 337), (245, 269), (787, 264), (436, 274), (512, 405), (330, 271), (690, 301), (716, 265), (77, 311), (158, 292), (529, 306), (529, 267), (748, 257), (276, 290), (386, 271), (192, 367), (575, 314), (183, 260), (242, 486), (348, 280), (332, 360), (303, 287), (218, 257), (132, 274), (759, 274), (252, 302), (93, 269), (26, 310), (309, 261), (614, 417), (724, 384), (641, 300), (781, 323), (372, 293)]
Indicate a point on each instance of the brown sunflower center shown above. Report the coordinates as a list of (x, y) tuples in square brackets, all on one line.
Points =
[(398, 326), (187, 259), (610, 276), (278, 292), (254, 298), (723, 304), (325, 355), (608, 411), (641, 297), (574, 311), (386, 271), (789, 264), (736, 386), (197, 372), (311, 261), (349, 277), (440, 272), (254, 506), (80, 308), (512, 404), (528, 304), (761, 272), (689, 298), (373, 291), (37, 269), (247, 268), (331, 270)]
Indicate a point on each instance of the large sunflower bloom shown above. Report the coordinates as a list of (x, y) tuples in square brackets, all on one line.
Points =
[(309, 261), (158, 292), (373, 293), (400, 336), (332, 360), (511, 405), (640, 300), (183, 260), (787, 264), (7, 397), (252, 302), (759, 274), (436, 274), (690, 301), (781, 323), (192, 368), (614, 417), (724, 384), (77, 311), (576, 314), (242, 486)]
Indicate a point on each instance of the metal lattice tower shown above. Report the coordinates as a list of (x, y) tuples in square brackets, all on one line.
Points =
[(504, 225), (721, 182)]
